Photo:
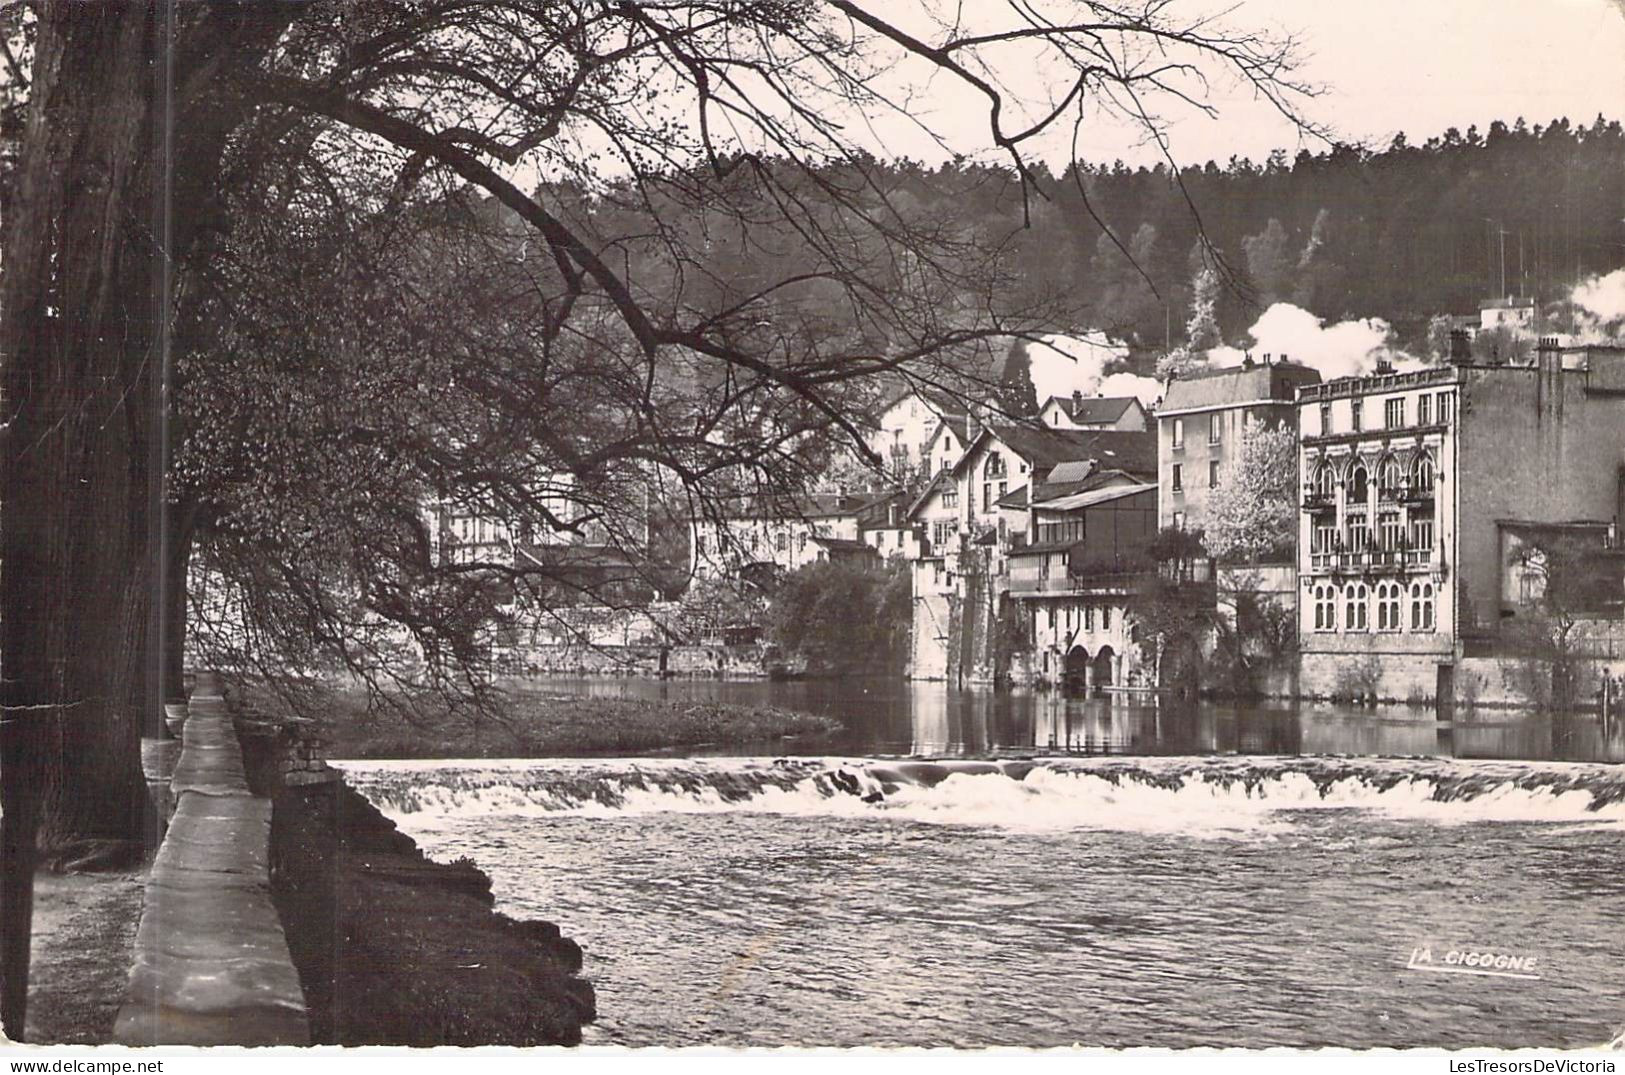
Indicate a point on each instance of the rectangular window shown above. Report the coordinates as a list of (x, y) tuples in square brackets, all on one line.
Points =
[(1356, 414), (1179, 477), (1052, 618), (1213, 474), (1325, 538), (1325, 419), (1179, 520), (1422, 535), (1424, 410), (1393, 413), (1106, 618), (987, 497), (1445, 402), (1089, 618), (1359, 538), (1388, 530), (1179, 432), (950, 497), (1214, 429)]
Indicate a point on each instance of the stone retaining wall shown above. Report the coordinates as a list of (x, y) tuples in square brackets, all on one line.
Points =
[(211, 961)]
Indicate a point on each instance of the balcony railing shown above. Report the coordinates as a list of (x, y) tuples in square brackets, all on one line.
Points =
[(1092, 582), (1416, 494), (1407, 493), (1375, 561)]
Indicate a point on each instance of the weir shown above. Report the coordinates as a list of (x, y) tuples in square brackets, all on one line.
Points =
[(211, 961), (1190, 795)]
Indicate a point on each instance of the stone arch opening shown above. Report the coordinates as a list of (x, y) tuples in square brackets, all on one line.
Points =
[(1076, 680), (1104, 668)]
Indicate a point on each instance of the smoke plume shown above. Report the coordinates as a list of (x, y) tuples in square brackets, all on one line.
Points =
[(1599, 306), (1343, 349)]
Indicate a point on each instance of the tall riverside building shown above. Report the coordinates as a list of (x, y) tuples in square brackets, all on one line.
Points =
[(1419, 487)]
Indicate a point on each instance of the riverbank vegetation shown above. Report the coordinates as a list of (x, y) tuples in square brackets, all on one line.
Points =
[(532, 721), (844, 619)]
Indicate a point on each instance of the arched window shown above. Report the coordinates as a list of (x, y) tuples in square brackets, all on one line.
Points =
[(1388, 606), (1421, 606), (1422, 476), (1325, 607), (993, 484), (1355, 614), (1390, 476), (1359, 484), (1325, 483)]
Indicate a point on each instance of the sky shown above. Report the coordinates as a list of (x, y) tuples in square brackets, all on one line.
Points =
[(1418, 66)]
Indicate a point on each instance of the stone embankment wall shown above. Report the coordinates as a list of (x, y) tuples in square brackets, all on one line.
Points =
[(1479, 682), (212, 965), (283, 908)]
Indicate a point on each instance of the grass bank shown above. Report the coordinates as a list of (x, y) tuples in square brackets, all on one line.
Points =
[(539, 723)]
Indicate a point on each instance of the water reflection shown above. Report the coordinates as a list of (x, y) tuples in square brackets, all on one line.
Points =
[(899, 717)]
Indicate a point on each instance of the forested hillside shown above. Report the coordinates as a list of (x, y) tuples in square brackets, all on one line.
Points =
[(1402, 234)]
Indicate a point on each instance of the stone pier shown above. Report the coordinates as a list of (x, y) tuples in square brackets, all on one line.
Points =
[(211, 960)]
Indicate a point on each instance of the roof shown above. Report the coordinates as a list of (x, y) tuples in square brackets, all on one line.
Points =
[(941, 479), (1100, 479), (1235, 386), (575, 556), (1097, 496), (943, 403), (785, 508), (1088, 410), (1511, 302), (1015, 498), (1042, 448), (834, 544)]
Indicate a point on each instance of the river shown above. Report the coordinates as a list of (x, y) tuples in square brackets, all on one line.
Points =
[(1206, 877)]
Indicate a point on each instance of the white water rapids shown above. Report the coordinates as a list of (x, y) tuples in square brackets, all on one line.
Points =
[(1143, 901)]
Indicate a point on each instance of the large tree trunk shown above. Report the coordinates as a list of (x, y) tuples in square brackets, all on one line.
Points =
[(77, 340), (78, 344), (85, 310)]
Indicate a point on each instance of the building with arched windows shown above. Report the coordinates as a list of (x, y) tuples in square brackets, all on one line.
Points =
[(1037, 529), (1412, 482)]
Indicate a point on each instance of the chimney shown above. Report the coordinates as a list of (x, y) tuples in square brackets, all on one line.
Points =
[(1077, 401), (1266, 358), (1549, 356), (1461, 347), (1247, 361), (1385, 365)]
